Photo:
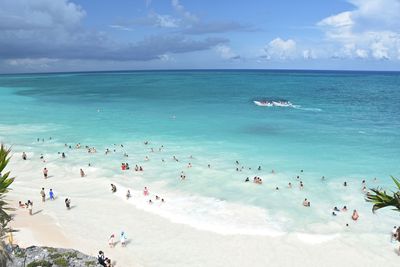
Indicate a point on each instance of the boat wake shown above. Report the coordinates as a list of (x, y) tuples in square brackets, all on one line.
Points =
[(282, 103), (273, 103)]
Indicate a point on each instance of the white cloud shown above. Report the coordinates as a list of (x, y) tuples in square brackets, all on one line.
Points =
[(120, 27), (309, 54), (32, 32), (166, 57), (166, 21), (31, 63), (181, 9), (226, 52), (26, 15), (280, 49), (361, 53), (340, 20), (372, 28), (379, 51)]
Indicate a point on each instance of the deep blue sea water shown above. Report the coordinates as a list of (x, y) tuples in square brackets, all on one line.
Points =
[(344, 126)]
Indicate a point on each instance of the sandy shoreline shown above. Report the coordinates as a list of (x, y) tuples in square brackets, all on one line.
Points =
[(155, 241)]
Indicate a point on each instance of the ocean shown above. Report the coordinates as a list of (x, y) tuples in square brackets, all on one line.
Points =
[(344, 126)]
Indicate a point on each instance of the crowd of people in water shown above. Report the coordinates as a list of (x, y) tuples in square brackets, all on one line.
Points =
[(395, 235)]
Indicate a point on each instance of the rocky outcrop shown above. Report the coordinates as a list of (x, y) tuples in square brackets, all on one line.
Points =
[(50, 257)]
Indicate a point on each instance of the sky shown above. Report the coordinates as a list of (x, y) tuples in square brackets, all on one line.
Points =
[(90, 35)]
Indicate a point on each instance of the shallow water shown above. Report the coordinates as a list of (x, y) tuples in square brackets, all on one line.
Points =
[(344, 126)]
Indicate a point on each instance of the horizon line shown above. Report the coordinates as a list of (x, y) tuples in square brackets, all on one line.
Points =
[(203, 69)]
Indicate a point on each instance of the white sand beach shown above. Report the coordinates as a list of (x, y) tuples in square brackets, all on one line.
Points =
[(153, 240)]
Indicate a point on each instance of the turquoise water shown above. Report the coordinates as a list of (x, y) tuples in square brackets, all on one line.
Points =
[(344, 126)]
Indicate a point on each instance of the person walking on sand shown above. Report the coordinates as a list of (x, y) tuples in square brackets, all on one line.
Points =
[(51, 194), (111, 241), (123, 239), (30, 207), (82, 173), (45, 173), (68, 203), (43, 194)]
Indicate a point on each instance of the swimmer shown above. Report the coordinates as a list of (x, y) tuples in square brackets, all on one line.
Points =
[(335, 209), (355, 215), (289, 185), (323, 178), (150, 202), (344, 208), (259, 168), (128, 194), (21, 205), (306, 203), (247, 179), (24, 156), (333, 213), (345, 184), (301, 185), (113, 188), (63, 155), (189, 165), (209, 166), (145, 191), (364, 189)]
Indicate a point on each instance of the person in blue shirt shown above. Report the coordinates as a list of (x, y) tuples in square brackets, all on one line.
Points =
[(51, 194)]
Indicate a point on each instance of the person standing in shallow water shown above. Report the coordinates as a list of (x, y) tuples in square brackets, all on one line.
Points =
[(45, 173), (43, 195), (82, 173), (51, 194), (30, 207), (68, 203)]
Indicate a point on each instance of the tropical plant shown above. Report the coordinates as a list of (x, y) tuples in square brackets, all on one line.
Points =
[(5, 217), (381, 199)]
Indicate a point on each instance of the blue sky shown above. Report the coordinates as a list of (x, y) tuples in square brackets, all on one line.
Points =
[(75, 35)]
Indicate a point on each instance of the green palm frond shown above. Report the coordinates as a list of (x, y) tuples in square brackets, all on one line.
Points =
[(381, 199), (5, 217)]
